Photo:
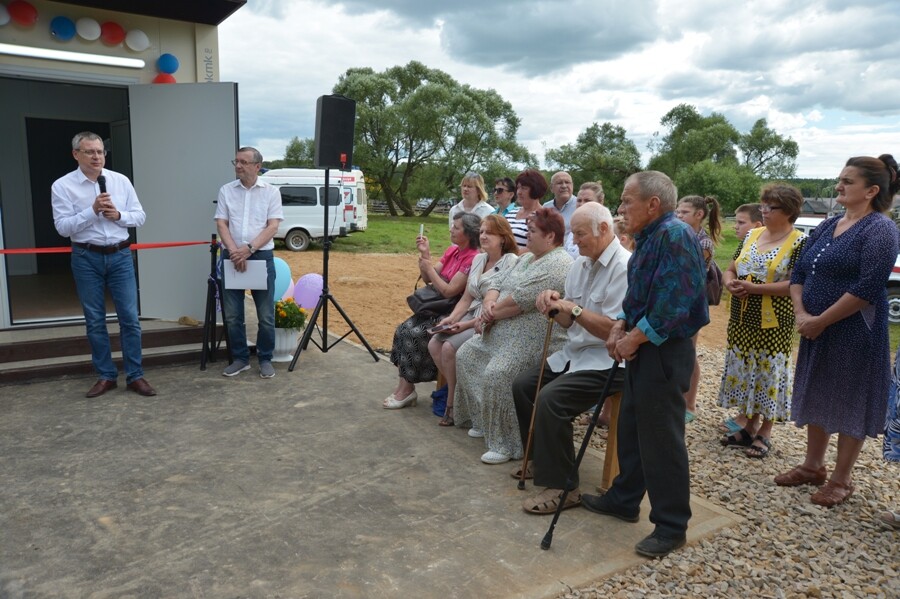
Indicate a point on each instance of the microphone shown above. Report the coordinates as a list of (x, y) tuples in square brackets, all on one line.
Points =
[(101, 181)]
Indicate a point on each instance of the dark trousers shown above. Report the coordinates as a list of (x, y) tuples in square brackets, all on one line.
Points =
[(563, 396), (652, 453)]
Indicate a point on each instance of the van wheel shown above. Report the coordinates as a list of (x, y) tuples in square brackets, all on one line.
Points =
[(893, 298), (297, 241)]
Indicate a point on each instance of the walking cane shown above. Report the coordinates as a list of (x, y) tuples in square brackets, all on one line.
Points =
[(537, 392), (548, 538)]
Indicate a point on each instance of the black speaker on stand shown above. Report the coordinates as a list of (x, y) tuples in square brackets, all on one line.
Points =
[(335, 121)]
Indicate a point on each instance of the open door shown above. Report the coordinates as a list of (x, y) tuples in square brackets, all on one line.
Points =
[(183, 137)]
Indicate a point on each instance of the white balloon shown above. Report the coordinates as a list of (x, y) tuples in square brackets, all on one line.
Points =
[(4, 15), (88, 29), (137, 40)]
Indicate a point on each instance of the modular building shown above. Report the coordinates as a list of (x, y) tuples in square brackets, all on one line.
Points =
[(144, 75)]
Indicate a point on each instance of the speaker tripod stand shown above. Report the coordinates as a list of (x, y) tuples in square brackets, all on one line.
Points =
[(324, 299)]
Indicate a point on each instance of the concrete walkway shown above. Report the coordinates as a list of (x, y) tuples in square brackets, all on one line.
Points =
[(297, 486)]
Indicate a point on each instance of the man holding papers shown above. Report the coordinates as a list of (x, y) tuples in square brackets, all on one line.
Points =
[(247, 217)]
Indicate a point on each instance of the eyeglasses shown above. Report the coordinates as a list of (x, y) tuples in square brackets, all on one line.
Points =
[(764, 208), (243, 162), (93, 152), (501, 190)]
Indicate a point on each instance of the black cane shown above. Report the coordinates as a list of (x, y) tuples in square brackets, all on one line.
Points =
[(537, 392), (548, 538)]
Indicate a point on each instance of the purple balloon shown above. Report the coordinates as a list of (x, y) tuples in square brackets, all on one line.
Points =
[(307, 290)]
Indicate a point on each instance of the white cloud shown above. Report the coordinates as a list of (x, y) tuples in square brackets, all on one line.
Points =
[(813, 68)]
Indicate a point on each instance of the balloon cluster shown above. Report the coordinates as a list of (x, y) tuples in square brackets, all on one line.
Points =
[(306, 291), (64, 29)]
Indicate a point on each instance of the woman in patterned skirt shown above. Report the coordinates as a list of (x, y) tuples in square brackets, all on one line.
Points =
[(409, 351), (512, 332), (757, 377), (842, 380)]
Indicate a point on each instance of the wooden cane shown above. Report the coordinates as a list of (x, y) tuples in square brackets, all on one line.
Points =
[(537, 392)]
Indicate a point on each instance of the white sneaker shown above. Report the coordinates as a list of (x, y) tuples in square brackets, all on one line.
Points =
[(476, 433), (235, 368), (494, 457)]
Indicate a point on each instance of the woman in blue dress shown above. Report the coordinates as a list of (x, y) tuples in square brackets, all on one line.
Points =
[(840, 302)]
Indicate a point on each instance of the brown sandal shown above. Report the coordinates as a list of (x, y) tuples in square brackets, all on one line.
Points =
[(447, 420), (832, 494), (801, 475), (546, 502), (516, 472)]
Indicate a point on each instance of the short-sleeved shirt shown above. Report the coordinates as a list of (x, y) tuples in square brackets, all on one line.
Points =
[(666, 282), (511, 208), (457, 259), (566, 211), (248, 210), (598, 286)]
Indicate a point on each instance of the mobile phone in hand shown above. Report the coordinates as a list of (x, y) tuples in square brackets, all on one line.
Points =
[(438, 329)]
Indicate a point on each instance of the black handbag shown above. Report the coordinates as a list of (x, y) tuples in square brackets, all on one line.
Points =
[(428, 301)]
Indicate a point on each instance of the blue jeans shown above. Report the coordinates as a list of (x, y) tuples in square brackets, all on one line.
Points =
[(95, 273), (265, 314)]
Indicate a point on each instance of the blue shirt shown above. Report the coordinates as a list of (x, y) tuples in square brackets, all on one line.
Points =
[(666, 282)]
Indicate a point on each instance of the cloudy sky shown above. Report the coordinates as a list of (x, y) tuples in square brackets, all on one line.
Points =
[(824, 72)]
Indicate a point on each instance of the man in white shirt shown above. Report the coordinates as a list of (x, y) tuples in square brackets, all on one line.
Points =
[(564, 200), (94, 207), (247, 215), (575, 375)]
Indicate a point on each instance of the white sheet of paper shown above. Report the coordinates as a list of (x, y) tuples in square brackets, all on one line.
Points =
[(255, 277)]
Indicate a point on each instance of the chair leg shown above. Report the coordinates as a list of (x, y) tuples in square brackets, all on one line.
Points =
[(611, 459)]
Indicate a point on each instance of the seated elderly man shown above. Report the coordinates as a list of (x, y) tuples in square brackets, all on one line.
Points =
[(575, 375)]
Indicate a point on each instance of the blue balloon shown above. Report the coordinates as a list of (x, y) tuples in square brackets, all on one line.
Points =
[(62, 28), (167, 63), (307, 290), (282, 277)]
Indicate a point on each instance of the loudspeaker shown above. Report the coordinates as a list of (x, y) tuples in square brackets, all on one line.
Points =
[(335, 119)]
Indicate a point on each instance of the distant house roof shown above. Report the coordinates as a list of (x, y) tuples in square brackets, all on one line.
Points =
[(814, 206), (207, 12)]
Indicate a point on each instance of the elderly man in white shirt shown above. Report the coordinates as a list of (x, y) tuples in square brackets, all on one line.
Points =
[(94, 207), (247, 216), (575, 375)]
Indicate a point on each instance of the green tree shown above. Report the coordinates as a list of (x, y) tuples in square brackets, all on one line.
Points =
[(693, 138), (600, 153), (300, 153), (731, 184), (767, 153), (412, 117)]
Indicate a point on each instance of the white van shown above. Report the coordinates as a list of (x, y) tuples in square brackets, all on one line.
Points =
[(806, 224), (303, 202), (352, 187)]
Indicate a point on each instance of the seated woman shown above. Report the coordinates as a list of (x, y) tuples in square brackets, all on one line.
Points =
[(409, 351), (499, 252), (511, 339)]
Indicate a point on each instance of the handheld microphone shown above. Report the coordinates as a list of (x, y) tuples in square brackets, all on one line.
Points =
[(101, 181)]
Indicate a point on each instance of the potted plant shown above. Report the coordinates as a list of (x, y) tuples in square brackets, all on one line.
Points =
[(289, 319)]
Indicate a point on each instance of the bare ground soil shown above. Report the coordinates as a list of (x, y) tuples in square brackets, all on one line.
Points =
[(372, 290)]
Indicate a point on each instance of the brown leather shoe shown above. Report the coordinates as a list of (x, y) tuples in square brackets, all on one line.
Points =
[(832, 493), (801, 475), (142, 387), (101, 387)]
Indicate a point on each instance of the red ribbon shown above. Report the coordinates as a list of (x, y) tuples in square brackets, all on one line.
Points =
[(133, 246)]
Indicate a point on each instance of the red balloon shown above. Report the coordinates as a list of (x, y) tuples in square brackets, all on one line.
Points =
[(112, 34), (164, 78), (22, 13)]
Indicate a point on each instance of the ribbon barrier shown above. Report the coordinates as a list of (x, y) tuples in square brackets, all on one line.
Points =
[(133, 246)]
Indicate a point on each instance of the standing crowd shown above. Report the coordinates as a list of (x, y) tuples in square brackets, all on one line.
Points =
[(540, 326)]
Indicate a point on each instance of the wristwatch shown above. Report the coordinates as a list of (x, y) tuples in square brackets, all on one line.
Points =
[(576, 312), (252, 249)]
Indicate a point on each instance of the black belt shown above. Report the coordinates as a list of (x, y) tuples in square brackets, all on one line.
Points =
[(103, 249)]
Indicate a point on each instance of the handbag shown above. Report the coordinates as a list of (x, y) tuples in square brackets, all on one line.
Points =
[(713, 284), (428, 301)]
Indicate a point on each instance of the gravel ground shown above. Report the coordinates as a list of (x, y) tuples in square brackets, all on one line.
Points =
[(786, 547)]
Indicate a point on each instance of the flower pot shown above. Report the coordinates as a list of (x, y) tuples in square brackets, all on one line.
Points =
[(285, 343)]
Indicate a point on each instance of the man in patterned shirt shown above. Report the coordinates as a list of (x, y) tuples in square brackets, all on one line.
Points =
[(664, 307)]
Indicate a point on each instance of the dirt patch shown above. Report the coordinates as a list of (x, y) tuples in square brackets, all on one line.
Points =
[(372, 290)]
